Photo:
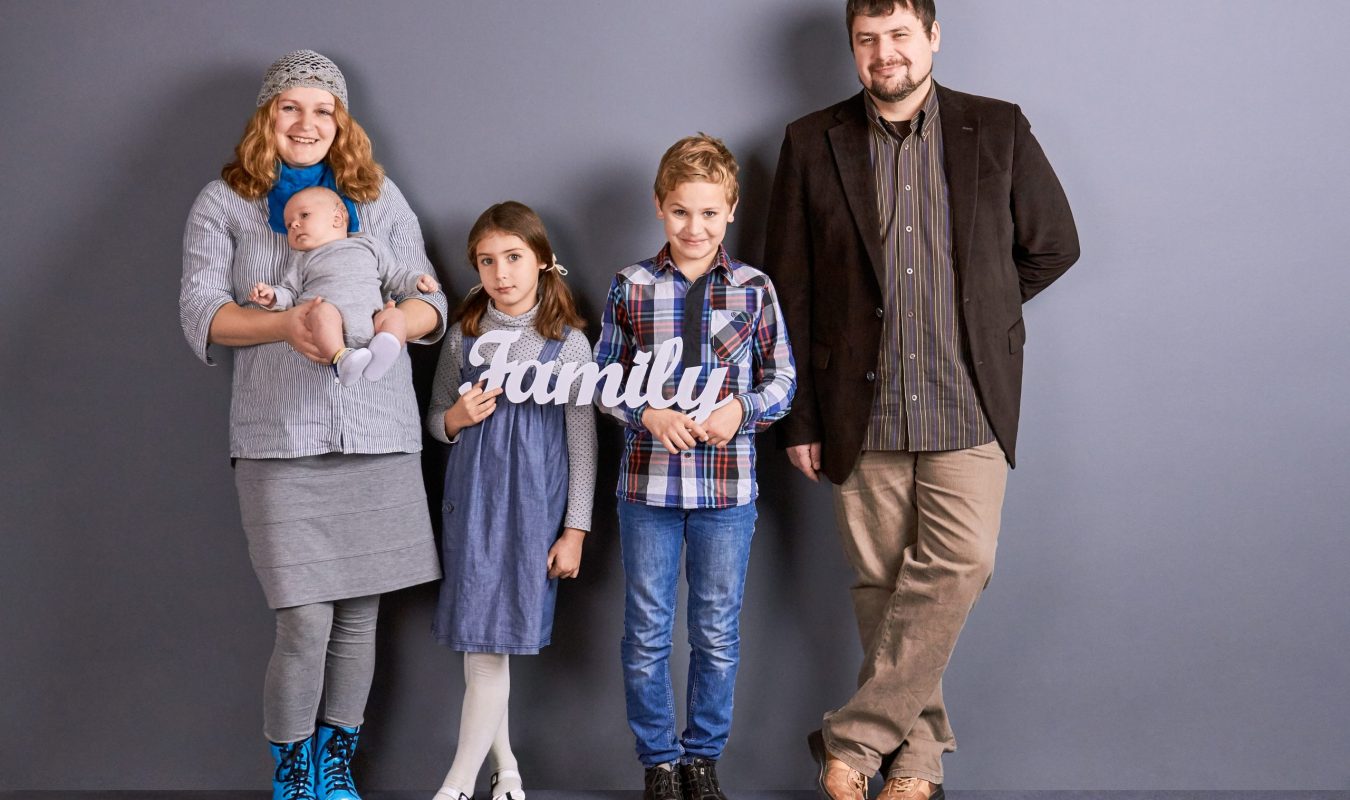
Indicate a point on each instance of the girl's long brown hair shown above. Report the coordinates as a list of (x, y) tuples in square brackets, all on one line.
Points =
[(253, 171), (557, 309)]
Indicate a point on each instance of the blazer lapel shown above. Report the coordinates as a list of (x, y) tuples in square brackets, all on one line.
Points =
[(961, 161), (853, 159)]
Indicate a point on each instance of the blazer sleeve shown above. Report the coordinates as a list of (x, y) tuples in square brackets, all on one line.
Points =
[(1045, 239), (788, 260)]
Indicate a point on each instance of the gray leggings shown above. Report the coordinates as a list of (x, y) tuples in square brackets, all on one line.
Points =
[(322, 649)]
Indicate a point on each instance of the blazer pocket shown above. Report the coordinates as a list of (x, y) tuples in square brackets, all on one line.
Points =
[(1017, 336), (820, 356)]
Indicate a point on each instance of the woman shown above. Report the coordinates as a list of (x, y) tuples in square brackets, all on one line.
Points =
[(328, 476)]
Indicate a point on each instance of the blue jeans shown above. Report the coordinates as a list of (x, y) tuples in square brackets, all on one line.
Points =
[(652, 539)]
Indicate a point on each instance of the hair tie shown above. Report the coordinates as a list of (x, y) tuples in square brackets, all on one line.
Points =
[(559, 267)]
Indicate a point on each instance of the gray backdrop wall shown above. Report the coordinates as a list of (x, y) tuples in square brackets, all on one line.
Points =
[(1169, 609)]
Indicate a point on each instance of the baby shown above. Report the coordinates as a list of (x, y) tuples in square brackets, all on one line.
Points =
[(353, 274)]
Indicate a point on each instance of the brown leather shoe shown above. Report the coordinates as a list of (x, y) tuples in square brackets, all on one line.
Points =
[(910, 789), (836, 780)]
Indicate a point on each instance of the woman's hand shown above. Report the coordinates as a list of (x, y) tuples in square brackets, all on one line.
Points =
[(674, 430), (471, 408), (299, 332), (391, 319), (564, 557)]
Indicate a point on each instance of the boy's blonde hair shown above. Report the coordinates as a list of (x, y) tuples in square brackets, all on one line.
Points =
[(697, 158)]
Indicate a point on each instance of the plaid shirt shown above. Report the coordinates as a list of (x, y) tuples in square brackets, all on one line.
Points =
[(742, 329)]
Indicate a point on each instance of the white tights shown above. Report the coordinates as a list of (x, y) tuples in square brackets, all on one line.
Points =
[(482, 723)]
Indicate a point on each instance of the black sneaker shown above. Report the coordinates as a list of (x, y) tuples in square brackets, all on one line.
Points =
[(661, 782), (700, 780)]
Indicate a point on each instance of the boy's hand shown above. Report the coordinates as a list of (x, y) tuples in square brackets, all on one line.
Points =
[(564, 557), (426, 283), (471, 408), (723, 423), (674, 430), (263, 295)]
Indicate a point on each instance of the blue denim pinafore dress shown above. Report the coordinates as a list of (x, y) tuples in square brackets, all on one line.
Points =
[(505, 496)]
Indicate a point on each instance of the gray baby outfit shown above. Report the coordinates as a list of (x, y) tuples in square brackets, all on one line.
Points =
[(357, 274)]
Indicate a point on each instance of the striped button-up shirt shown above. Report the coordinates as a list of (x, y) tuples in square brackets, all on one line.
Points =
[(282, 404), (925, 398), (736, 324)]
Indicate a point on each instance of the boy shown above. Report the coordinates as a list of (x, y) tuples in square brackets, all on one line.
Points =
[(686, 484), (354, 274)]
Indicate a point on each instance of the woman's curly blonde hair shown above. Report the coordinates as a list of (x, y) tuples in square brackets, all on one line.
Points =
[(253, 171)]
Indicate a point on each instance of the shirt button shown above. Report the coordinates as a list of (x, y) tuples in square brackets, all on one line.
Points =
[(914, 397), (881, 312), (688, 455), (911, 356), (909, 314), (871, 376), (909, 272), (907, 187), (909, 229)]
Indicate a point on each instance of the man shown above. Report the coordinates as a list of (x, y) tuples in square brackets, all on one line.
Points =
[(908, 225)]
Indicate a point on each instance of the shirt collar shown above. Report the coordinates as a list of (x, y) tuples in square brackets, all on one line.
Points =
[(922, 123), (721, 261)]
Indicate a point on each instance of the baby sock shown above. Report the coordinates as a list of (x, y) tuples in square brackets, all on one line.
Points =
[(384, 349), (349, 364)]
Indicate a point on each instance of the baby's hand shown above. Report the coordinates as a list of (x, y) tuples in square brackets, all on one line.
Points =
[(426, 283), (263, 295)]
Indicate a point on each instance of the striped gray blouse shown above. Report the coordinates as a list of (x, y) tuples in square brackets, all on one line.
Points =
[(283, 405)]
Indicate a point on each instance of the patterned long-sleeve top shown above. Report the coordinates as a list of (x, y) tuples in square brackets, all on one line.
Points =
[(282, 404), (729, 317)]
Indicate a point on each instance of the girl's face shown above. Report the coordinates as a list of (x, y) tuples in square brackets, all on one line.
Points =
[(509, 271), (305, 127)]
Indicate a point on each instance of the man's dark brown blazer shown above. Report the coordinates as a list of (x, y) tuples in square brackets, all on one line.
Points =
[(1012, 235)]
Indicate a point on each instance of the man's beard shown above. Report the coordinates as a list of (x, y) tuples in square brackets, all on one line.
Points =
[(904, 89)]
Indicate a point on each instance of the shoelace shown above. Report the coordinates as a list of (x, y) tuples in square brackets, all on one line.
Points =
[(337, 758), (905, 784), (666, 782), (293, 770)]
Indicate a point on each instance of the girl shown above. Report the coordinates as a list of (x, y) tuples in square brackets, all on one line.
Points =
[(516, 476)]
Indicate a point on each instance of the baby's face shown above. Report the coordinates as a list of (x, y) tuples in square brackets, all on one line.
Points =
[(313, 220)]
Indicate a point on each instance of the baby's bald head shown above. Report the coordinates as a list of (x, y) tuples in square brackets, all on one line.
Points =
[(315, 217)]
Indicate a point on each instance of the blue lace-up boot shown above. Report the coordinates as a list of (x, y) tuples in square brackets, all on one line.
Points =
[(334, 749), (294, 778)]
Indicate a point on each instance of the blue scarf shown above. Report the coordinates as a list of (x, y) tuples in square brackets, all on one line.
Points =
[(292, 180)]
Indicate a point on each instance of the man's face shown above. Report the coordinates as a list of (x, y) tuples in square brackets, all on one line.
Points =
[(894, 54)]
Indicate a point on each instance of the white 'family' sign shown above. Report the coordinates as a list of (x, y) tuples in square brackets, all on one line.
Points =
[(643, 385)]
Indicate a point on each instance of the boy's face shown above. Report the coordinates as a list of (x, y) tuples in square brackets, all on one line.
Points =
[(695, 215), (313, 220)]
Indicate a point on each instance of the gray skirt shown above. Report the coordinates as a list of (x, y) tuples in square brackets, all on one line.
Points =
[(333, 526)]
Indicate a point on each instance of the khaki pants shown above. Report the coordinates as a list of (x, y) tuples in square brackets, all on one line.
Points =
[(920, 530)]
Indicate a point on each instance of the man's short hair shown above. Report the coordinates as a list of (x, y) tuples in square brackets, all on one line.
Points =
[(923, 9), (697, 158)]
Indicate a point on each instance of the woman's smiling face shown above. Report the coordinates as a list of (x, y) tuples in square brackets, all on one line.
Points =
[(305, 126)]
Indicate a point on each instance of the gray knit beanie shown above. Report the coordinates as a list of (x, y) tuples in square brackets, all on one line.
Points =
[(303, 68)]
